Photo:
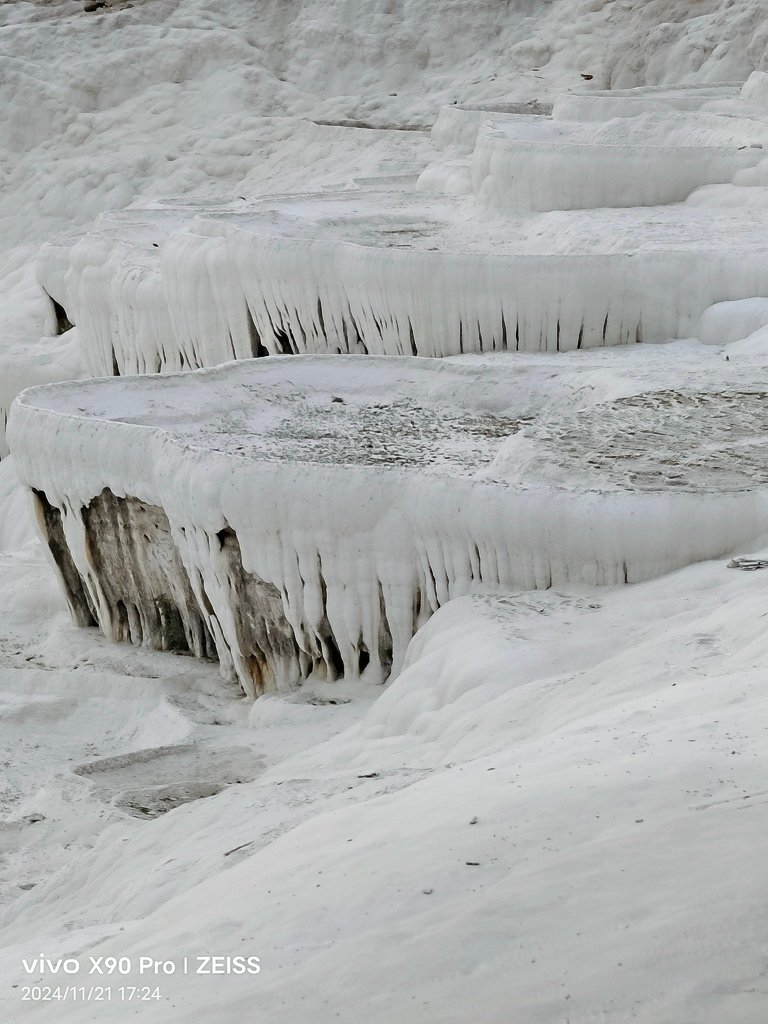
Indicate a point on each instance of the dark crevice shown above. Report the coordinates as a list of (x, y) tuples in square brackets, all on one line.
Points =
[(479, 574), (417, 609), (359, 343), (77, 596), (378, 325), (414, 351), (321, 318), (206, 601), (385, 636), (63, 323), (225, 535), (283, 342), (331, 654)]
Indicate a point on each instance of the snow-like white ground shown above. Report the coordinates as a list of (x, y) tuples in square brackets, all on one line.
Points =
[(567, 816), (609, 742), (556, 813)]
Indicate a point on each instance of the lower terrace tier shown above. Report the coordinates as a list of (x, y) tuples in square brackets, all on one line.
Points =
[(302, 517)]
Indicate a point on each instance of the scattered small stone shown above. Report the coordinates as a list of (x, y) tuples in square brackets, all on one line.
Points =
[(472, 863), (639, 821), (32, 819), (27, 885), (234, 849), (89, 8), (473, 821), (427, 892), (587, 78), (748, 564), (369, 775), (337, 399)]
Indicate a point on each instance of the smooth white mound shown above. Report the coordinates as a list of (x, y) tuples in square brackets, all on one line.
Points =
[(307, 515), (530, 163), (393, 274), (16, 522), (727, 322), (562, 777), (755, 89)]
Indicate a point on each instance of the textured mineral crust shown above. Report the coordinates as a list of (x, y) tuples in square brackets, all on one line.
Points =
[(301, 518)]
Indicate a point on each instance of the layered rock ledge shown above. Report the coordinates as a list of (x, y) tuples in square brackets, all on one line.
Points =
[(651, 159), (391, 273), (302, 517)]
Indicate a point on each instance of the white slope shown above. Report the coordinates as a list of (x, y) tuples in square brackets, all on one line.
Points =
[(97, 107), (16, 521), (566, 818)]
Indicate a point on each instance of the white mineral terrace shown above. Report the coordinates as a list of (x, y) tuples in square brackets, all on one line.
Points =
[(384, 511), (534, 163), (394, 274), (309, 514), (604, 104)]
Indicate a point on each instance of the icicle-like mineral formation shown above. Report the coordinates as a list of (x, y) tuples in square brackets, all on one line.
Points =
[(301, 518), (394, 274)]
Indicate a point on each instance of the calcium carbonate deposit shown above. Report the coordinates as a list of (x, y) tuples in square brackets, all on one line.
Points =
[(383, 511), (345, 500)]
